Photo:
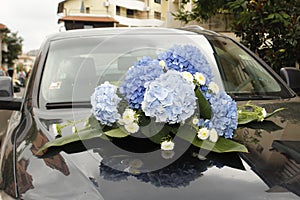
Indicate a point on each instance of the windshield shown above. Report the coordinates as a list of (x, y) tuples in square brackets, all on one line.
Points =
[(75, 66)]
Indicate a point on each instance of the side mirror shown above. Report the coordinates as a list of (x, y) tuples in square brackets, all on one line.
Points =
[(6, 87), (291, 76), (7, 99)]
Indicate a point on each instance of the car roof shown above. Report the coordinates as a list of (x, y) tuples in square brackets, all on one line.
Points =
[(193, 30)]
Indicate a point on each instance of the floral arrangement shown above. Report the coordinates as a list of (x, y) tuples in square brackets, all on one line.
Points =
[(176, 90)]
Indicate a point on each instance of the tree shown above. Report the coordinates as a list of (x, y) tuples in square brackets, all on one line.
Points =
[(201, 10), (270, 28), (14, 47)]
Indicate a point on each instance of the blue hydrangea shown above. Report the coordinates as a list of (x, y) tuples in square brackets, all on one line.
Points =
[(187, 58), (104, 103), (169, 98), (142, 72), (225, 117)]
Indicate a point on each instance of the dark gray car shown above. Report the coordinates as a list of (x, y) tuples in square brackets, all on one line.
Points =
[(67, 70)]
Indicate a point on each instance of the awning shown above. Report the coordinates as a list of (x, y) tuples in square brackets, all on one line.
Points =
[(87, 19)]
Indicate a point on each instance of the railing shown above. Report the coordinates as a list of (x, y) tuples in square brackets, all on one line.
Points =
[(91, 12), (143, 16)]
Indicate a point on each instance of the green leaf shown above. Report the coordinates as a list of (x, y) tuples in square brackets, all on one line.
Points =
[(163, 131), (94, 123), (247, 117), (223, 145), (117, 133), (84, 134), (272, 113), (204, 106), (266, 125), (270, 16), (81, 135)]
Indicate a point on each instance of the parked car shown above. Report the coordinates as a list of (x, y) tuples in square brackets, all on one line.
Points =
[(2, 73), (68, 68)]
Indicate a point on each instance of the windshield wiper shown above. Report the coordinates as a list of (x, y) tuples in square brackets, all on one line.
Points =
[(61, 105), (254, 97)]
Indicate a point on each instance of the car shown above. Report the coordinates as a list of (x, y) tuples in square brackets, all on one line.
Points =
[(50, 151), (2, 73)]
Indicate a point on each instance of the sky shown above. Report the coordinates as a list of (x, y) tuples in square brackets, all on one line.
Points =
[(32, 19)]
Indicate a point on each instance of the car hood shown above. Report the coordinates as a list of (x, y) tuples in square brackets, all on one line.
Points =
[(97, 169)]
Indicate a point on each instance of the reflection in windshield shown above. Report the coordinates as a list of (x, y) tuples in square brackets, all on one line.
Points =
[(242, 75), (74, 67)]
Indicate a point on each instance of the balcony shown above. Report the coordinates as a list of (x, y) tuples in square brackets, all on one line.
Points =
[(133, 22), (130, 4)]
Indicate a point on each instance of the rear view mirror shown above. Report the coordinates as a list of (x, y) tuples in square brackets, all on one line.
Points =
[(291, 76)]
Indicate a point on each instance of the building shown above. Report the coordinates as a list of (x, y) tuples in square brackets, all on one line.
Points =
[(78, 14), (26, 61), (3, 46)]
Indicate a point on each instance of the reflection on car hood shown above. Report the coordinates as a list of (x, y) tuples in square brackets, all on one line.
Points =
[(95, 170)]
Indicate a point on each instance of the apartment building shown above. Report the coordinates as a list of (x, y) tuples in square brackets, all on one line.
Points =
[(3, 46), (78, 14)]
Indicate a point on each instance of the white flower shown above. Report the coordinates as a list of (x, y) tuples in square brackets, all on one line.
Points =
[(74, 129), (213, 135), (195, 120), (203, 134), (201, 157), (167, 145), (128, 116), (200, 78), (213, 87), (167, 154), (188, 76), (264, 113), (56, 129), (162, 64), (262, 116), (132, 128)]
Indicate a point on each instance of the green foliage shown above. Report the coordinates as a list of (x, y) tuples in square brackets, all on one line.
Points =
[(270, 28), (201, 10), (14, 47)]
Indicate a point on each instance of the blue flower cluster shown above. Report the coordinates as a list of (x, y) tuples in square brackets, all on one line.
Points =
[(104, 103), (142, 72), (169, 98), (186, 58), (225, 118)]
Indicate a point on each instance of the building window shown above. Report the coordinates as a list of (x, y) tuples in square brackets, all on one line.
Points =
[(87, 10), (118, 10), (157, 15), (129, 13), (157, 1), (88, 26)]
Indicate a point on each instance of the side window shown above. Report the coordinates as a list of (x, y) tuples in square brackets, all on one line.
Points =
[(240, 72)]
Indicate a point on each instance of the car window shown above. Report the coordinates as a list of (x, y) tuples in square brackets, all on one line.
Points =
[(242, 75)]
